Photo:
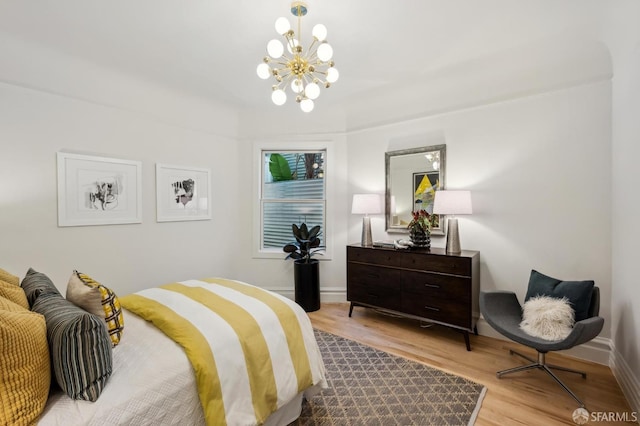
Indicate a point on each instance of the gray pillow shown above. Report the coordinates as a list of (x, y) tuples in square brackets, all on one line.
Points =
[(578, 292), (79, 344), (36, 283)]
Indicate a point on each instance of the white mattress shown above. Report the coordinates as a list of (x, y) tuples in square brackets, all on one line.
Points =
[(152, 384)]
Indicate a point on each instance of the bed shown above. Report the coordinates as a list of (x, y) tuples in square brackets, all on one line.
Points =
[(266, 360)]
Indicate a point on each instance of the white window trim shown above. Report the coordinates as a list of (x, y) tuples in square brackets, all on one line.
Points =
[(330, 179)]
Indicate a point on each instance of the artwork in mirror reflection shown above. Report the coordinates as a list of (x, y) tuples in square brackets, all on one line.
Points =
[(412, 178)]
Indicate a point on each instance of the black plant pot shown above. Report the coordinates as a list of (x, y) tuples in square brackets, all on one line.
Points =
[(307, 284)]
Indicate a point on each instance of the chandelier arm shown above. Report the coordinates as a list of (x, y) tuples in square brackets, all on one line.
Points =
[(313, 44)]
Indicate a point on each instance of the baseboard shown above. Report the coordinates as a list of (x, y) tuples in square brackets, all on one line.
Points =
[(628, 381), (327, 294)]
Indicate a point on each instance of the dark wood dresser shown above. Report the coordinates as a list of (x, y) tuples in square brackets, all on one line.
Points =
[(428, 285)]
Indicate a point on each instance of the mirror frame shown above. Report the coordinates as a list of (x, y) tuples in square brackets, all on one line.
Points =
[(388, 178)]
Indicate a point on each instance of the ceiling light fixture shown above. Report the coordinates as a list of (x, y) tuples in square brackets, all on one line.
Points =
[(303, 71)]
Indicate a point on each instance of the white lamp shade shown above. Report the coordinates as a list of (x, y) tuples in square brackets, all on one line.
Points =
[(452, 202), (279, 97), (282, 25), (325, 52), (312, 91), (366, 204), (264, 71), (332, 75), (306, 105), (320, 32), (275, 49)]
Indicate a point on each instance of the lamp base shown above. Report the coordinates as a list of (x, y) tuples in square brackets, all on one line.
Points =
[(367, 239), (453, 237)]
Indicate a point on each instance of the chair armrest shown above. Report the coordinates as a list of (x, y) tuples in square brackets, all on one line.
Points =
[(583, 331), (496, 304)]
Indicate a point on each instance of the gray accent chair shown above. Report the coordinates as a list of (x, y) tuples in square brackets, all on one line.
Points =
[(503, 312)]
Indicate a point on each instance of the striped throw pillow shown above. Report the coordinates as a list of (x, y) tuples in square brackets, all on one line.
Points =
[(35, 284), (90, 295), (81, 354), (25, 372)]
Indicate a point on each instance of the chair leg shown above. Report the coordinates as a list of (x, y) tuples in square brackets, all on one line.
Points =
[(542, 364), (548, 370), (568, 370)]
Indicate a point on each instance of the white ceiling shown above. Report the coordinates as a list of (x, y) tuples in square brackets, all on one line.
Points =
[(211, 48)]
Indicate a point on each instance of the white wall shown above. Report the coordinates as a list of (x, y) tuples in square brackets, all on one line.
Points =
[(35, 124), (539, 172), (623, 35)]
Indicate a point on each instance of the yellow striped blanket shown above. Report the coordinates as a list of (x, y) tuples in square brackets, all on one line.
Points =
[(252, 350)]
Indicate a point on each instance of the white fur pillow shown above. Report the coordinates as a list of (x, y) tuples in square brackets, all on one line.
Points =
[(547, 317)]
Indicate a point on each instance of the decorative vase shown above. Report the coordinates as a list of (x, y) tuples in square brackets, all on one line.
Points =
[(420, 238), (307, 284)]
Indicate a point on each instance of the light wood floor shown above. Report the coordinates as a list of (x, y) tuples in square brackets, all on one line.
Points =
[(524, 398)]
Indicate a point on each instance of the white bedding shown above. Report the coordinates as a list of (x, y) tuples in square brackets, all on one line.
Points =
[(152, 384)]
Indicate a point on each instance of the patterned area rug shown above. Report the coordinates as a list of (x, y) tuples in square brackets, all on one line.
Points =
[(370, 387)]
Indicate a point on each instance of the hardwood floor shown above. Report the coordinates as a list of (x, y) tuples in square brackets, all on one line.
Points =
[(525, 398)]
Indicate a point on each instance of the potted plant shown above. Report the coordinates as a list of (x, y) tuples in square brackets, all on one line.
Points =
[(306, 269), (420, 228)]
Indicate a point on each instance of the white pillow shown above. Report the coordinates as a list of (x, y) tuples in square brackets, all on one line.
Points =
[(547, 317)]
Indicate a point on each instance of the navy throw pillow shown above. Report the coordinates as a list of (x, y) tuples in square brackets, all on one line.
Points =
[(578, 292)]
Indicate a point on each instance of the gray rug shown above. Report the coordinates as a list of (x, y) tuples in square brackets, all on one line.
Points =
[(370, 387)]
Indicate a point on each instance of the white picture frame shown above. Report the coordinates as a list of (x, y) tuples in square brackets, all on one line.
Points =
[(182, 193), (95, 190)]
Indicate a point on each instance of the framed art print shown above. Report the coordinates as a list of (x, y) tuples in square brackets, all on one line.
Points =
[(98, 190), (182, 193)]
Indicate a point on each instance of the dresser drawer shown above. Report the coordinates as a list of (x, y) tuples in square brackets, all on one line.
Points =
[(445, 310), (416, 260), (372, 275), (437, 285), (383, 297)]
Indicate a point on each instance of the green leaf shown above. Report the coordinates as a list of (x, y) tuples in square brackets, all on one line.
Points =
[(279, 168)]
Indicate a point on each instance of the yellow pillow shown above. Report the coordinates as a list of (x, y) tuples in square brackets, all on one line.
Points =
[(13, 292), (95, 298), (10, 278), (25, 370)]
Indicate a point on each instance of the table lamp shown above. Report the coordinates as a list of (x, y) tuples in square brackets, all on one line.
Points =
[(452, 203), (366, 204)]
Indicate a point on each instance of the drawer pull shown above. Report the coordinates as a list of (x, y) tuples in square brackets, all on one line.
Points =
[(432, 285), (431, 308), (375, 296), (371, 275)]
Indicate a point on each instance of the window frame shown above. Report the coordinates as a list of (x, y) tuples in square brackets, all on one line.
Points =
[(259, 150)]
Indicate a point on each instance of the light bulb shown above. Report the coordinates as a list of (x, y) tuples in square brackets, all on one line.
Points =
[(275, 49), (263, 71), (282, 25), (306, 105), (320, 32), (296, 86), (279, 97), (332, 75), (312, 91), (325, 52)]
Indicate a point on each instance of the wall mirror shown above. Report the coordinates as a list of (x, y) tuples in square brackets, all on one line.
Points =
[(412, 177)]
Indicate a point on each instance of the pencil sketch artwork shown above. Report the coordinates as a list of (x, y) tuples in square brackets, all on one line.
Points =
[(101, 191), (183, 191), (103, 194)]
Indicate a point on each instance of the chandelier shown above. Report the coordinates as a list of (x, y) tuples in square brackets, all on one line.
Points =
[(304, 71)]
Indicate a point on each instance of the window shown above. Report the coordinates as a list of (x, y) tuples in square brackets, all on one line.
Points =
[(292, 190)]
